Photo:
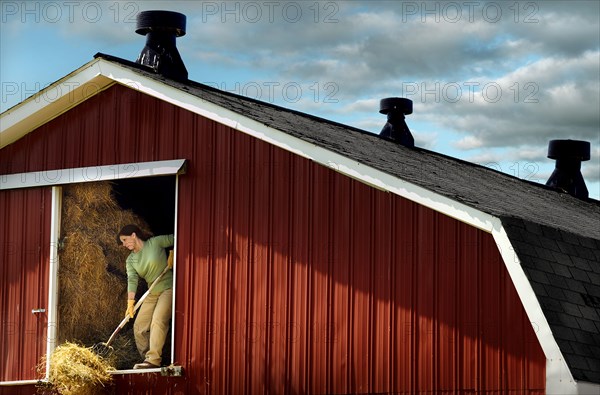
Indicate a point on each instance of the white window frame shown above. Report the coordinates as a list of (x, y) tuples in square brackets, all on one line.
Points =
[(55, 179)]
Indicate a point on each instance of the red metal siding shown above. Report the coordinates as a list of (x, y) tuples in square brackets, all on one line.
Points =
[(24, 259), (295, 279)]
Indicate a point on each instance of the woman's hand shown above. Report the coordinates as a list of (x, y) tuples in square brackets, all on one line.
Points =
[(130, 305), (170, 260)]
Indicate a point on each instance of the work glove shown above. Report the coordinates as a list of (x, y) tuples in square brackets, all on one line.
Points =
[(130, 304), (170, 260)]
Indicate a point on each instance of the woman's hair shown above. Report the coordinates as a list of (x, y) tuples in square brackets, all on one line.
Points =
[(130, 229)]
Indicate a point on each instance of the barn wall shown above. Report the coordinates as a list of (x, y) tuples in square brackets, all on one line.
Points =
[(294, 278)]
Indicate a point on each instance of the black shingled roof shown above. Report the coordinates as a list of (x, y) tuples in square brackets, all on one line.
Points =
[(556, 236), (564, 271)]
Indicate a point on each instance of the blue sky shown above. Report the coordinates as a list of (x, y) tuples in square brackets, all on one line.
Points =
[(492, 81)]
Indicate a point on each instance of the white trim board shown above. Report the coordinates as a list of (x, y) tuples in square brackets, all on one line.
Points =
[(55, 221), (559, 379), (91, 174), (20, 382), (51, 102)]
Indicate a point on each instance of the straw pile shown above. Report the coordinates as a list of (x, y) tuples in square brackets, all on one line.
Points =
[(76, 370), (92, 275)]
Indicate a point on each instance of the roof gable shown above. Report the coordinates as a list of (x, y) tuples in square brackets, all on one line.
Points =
[(463, 184), (509, 208)]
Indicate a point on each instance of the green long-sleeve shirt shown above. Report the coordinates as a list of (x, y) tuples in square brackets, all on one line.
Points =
[(148, 263)]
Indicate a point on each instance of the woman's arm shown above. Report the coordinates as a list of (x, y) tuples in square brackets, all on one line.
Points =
[(165, 241)]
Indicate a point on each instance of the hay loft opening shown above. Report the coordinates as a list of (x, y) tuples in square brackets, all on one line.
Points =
[(92, 275), (151, 198)]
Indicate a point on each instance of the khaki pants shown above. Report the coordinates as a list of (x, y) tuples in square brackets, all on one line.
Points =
[(152, 324)]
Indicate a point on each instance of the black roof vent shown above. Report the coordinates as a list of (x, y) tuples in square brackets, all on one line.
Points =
[(567, 174), (160, 53), (395, 128)]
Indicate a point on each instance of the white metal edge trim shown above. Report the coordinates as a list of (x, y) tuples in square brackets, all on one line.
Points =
[(53, 93), (174, 271), (20, 382), (409, 191), (55, 219), (297, 146), (559, 379), (167, 93), (139, 371), (63, 87), (134, 371), (90, 174)]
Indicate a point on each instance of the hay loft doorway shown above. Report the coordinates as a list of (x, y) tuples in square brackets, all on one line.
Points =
[(92, 279)]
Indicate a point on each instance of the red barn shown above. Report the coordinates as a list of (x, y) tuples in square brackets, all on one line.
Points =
[(311, 257)]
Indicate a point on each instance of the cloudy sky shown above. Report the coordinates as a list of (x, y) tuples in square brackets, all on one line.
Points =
[(492, 81)]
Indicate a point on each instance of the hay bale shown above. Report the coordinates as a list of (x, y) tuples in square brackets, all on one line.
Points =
[(89, 294), (92, 276), (92, 194), (77, 370)]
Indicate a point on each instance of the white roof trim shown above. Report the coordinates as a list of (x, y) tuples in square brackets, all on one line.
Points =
[(558, 375), (51, 102), (300, 147), (91, 174), (559, 379)]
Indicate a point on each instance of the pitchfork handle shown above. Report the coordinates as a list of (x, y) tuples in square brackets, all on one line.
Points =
[(137, 306)]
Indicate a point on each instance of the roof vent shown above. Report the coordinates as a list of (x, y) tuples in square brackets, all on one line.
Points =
[(567, 174), (160, 53), (395, 128)]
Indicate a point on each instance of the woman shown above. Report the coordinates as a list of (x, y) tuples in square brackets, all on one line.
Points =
[(148, 260)]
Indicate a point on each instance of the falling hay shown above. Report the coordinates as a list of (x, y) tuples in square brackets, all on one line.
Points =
[(76, 370), (92, 275)]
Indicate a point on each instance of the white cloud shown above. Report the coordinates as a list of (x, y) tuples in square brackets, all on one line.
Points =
[(468, 143), (361, 105)]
